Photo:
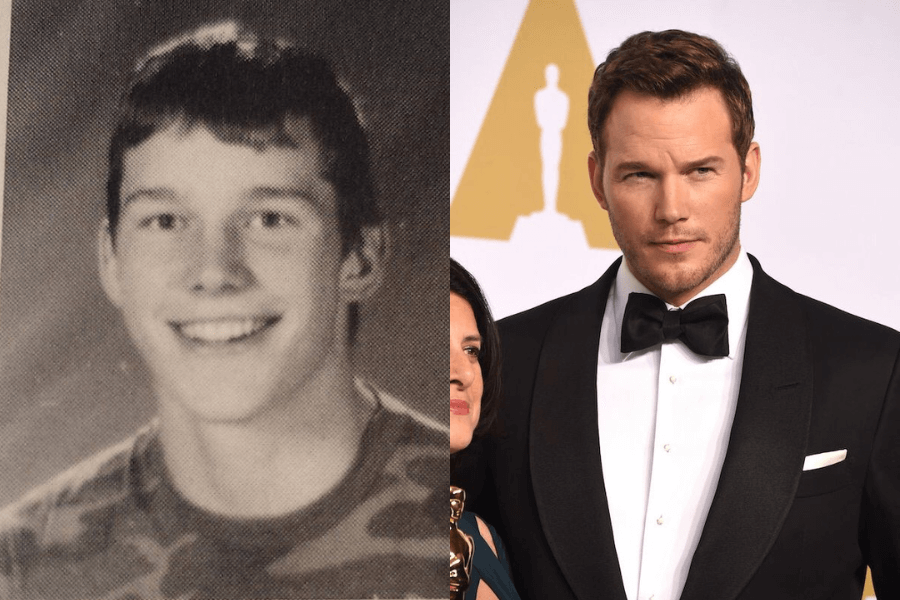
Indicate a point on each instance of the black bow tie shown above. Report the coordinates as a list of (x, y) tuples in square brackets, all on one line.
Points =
[(702, 325)]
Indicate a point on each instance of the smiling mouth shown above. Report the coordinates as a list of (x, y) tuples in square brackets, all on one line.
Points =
[(223, 331)]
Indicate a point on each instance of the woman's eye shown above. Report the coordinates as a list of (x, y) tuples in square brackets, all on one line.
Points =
[(473, 351)]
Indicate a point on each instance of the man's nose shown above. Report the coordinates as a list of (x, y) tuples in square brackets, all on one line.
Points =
[(672, 202), (219, 265)]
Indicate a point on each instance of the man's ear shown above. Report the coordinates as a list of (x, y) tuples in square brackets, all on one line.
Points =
[(108, 264), (595, 171), (362, 270), (751, 172)]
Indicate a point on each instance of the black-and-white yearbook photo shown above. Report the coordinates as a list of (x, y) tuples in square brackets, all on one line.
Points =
[(222, 300)]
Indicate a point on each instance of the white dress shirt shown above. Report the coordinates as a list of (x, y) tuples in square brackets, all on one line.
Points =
[(665, 417)]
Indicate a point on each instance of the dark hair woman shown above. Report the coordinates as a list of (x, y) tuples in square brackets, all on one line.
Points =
[(474, 392)]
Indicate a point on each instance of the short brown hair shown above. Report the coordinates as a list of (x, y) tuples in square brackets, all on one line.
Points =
[(669, 65), (247, 89)]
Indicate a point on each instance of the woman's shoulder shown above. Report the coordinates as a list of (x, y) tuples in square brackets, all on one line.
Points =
[(481, 531), (491, 564), (488, 533)]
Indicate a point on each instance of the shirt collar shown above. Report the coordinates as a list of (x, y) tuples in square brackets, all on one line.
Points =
[(734, 283)]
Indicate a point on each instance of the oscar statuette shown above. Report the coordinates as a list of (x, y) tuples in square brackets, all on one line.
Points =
[(461, 547)]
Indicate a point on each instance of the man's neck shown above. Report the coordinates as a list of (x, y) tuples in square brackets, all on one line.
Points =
[(679, 299), (272, 463)]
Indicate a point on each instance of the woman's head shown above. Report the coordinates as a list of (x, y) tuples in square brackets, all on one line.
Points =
[(474, 359)]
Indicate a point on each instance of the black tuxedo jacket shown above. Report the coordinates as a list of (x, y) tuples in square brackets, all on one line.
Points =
[(814, 379)]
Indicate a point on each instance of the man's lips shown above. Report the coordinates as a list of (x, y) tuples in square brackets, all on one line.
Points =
[(459, 407), (675, 246), (224, 330)]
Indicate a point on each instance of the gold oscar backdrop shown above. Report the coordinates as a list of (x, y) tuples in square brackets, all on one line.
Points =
[(502, 179)]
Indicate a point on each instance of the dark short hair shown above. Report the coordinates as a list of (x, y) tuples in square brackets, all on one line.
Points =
[(464, 285), (668, 65), (246, 89)]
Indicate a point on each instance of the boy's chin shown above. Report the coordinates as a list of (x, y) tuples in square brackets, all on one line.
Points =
[(223, 404)]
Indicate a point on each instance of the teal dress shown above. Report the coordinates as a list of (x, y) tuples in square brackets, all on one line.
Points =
[(494, 570)]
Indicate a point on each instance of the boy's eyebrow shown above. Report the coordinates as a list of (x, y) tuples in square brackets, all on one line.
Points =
[(157, 193), (281, 192), (257, 193), (306, 193)]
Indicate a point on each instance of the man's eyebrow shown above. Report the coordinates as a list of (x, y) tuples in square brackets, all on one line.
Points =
[(631, 166), (704, 162)]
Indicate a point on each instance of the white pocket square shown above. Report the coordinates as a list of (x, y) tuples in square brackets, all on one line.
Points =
[(825, 459)]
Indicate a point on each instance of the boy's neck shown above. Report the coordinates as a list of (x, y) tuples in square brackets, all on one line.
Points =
[(271, 464)]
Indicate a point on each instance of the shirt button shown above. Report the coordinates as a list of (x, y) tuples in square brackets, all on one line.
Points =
[(659, 521), (673, 379), (667, 447)]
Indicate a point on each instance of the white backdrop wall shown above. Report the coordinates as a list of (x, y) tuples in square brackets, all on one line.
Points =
[(826, 90)]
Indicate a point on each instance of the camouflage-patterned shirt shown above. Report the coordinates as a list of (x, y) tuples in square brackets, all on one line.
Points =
[(114, 527)]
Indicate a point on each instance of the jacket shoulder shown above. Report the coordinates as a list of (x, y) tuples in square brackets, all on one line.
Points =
[(534, 322), (820, 311), (534, 319), (828, 324)]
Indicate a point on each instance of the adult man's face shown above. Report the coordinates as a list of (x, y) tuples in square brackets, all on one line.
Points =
[(673, 186), (228, 270)]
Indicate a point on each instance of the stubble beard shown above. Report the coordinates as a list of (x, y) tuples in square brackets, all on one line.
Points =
[(678, 279)]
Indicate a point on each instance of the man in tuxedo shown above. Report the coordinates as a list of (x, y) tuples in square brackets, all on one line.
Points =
[(687, 427)]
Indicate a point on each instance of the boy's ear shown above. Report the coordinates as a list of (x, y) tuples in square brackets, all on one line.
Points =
[(362, 270), (108, 264)]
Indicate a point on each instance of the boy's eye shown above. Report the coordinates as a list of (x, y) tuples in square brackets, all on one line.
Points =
[(162, 221), (270, 220)]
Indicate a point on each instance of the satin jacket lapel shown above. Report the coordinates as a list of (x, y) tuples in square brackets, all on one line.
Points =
[(565, 447), (765, 453)]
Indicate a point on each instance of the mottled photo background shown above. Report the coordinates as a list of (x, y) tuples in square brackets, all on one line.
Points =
[(70, 381)]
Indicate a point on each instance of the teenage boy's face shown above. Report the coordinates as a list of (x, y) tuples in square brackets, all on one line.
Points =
[(228, 270)]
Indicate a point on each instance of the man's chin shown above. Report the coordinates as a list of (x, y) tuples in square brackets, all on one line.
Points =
[(672, 281)]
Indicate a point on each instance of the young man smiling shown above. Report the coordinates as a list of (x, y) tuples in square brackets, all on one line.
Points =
[(241, 233)]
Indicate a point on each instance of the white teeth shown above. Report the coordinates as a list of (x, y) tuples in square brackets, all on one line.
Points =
[(221, 331)]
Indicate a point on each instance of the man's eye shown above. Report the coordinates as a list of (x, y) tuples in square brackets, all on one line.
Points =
[(638, 175), (270, 220)]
